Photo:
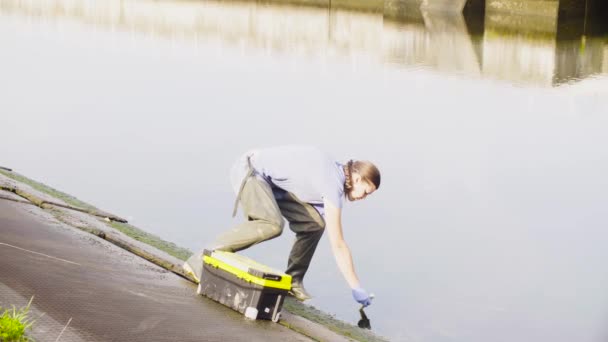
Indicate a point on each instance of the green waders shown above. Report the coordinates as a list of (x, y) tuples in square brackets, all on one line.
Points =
[(263, 210)]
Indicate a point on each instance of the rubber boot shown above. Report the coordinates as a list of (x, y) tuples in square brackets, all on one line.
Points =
[(298, 291)]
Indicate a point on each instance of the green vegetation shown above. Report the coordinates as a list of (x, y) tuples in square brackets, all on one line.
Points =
[(48, 190), (152, 240), (337, 326), (127, 229), (14, 323)]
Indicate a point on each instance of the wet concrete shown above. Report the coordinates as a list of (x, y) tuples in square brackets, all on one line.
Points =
[(109, 294)]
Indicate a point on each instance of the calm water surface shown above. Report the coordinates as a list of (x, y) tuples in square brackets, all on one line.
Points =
[(490, 131)]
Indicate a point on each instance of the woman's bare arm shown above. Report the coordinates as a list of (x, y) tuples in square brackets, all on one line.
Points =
[(333, 225)]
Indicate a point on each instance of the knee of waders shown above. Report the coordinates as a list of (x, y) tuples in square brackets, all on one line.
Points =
[(277, 228), (307, 228), (269, 228)]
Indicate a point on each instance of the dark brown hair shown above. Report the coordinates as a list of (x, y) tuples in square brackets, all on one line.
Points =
[(366, 169)]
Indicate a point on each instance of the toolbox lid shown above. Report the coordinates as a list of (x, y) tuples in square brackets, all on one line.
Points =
[(247, 269)]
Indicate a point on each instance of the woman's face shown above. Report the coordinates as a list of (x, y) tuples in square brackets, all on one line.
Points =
[(361, 188)]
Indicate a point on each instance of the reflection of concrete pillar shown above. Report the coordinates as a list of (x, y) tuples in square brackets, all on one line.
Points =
[(592, 57), (443, 41), (569, 37), (474, 17), (578, 54), (582, 17), (455, 6), (472, 6), (547, 49), (566, 61), (571, 20), (572, 8), (605, 63), (596, 19), (439, 41), (475, 7), (452, 48), (519, 51)]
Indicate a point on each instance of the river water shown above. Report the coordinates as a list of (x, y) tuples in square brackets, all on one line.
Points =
[(489, 130)]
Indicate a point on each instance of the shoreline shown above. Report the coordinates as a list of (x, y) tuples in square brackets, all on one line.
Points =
[(301, 318)]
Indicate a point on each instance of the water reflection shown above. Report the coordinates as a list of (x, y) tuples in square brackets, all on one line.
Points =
[(551, 47)]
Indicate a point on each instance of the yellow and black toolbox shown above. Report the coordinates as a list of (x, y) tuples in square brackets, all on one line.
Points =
[(244, 285)]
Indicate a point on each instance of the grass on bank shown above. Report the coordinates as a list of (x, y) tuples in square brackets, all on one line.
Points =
[(127, 229), (152, 240), (14, 324), (71, 200)]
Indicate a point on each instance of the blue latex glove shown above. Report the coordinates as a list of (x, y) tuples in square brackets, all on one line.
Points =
[(361, 296)]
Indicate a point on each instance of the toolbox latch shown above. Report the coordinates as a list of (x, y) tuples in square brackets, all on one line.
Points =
[(274, 277), (265, 275)]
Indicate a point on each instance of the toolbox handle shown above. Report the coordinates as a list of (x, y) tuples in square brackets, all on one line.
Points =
[(274, 277), (265, 275)]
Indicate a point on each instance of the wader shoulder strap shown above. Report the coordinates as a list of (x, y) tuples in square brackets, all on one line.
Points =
[(250, 173)]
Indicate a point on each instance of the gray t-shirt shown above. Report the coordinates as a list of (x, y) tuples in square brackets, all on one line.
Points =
[(305, 171)]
